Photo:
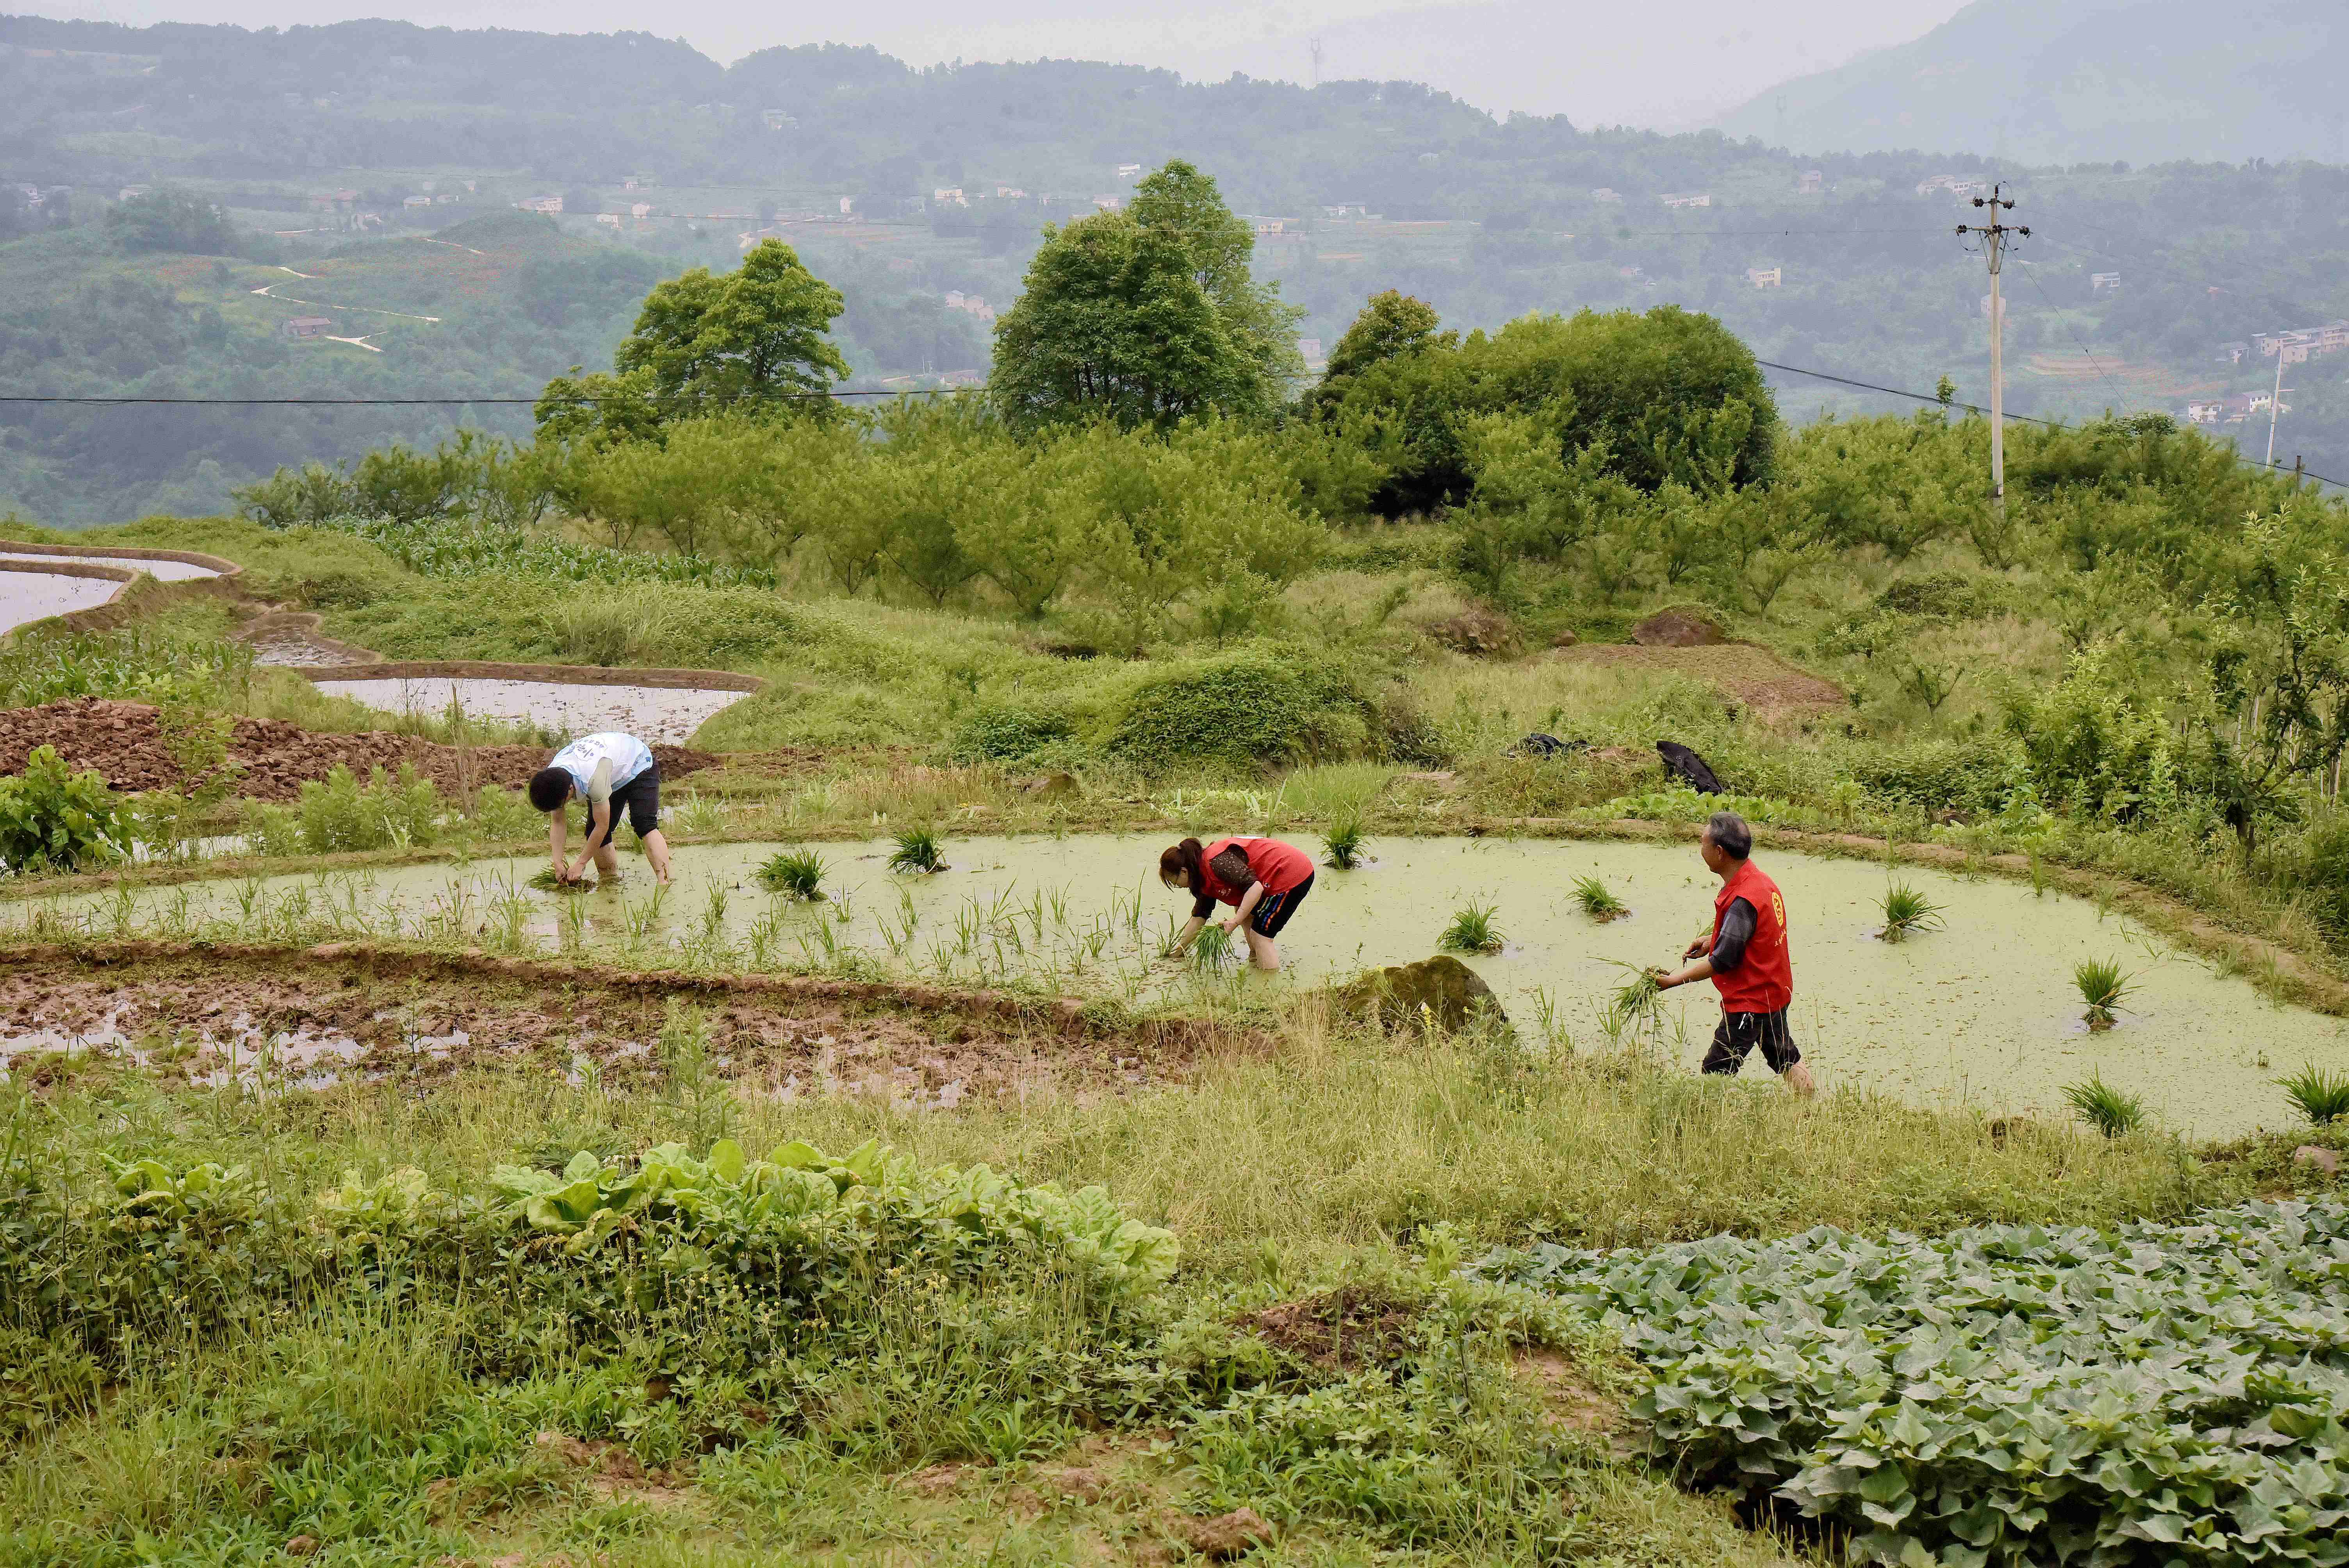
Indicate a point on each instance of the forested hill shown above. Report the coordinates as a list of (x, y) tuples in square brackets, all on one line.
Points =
[(2144, 80), (348, 152)]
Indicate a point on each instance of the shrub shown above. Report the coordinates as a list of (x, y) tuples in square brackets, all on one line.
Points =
[(2322, 1097), (1003, 733), (1941, 596), (1990, 1396), (342, 814), (51, 816), (1243, 709)]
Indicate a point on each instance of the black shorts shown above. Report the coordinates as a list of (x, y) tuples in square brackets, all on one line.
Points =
[(640, 797), (1273, 910), (1740, 1032)]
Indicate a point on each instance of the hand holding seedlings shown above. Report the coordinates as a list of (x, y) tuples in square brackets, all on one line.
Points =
[(1263, 878)]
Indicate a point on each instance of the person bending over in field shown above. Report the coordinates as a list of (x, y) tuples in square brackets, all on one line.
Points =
[(1746, 959), (1263, 878), (612, 772)]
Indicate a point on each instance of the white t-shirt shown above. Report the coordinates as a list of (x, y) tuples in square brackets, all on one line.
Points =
[(599, 764)]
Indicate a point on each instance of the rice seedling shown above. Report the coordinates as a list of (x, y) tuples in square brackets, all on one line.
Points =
[(918, 850), (2322, 1097), (1344, 839), (1636, 998), (1471, 930), (2107, 1110), (1214, 949), (795, 873), (1597, 899), (546, 881), (1907, 912), (2103, 986)]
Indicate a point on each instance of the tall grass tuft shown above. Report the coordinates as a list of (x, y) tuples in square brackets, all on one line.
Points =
[(2107, 1110), (1471, 930), (2103, 986), (795, 873), (1344, 839), (2322, 1097), (918, 850), (1599, 901), (1907, 911)]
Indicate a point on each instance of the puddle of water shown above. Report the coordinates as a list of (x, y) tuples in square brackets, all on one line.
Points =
[(661, 714), (162, 571), (1979, 1013), (29, 597)]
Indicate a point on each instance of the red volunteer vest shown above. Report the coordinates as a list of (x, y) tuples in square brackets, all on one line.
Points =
[(1765, 982), (1279, 866)]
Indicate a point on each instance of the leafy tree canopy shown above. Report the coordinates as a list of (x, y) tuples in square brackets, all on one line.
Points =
[(1147, 316), (172, 221)]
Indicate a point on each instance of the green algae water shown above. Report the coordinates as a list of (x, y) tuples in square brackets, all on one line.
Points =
[(1980, 1014)]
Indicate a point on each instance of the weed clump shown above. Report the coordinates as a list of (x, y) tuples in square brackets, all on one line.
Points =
[(1471, 930), (918, 850), (2109, 1110), (2103, 986), (795, 873), (1597, 899), (2322, 1097)]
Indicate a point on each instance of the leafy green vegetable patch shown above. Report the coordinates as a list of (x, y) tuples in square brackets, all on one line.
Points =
[(2155, 1395)]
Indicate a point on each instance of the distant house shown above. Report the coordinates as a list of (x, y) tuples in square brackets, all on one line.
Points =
[(1630, 273), (637, 182), (847, 206), (949, 196), (1811, 182), (1687, 199), (1129, 171), (779, 120), (1605, 194), (414, 202), (1311, 347), (1109, 204), (2206, 410), (1010, 193), (1267, 226), (128, 192), (541, 204), (2100, 281), (611, 218), (641, 211), (2233, 352), (307, 326), (1766, 277)]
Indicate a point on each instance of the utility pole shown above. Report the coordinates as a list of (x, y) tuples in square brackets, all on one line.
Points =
[(2275, 405), (1314, 46), (1994, 242)]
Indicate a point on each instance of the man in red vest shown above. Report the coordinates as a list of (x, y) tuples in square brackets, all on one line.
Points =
[(1746, 959)]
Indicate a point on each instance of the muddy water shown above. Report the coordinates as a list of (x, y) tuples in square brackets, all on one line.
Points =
[(1979, 1013)]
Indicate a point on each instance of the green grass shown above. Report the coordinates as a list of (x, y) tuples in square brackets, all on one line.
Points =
[(2317, 1094), (1472, 930), (796, 873), (2103, 986), (1597, 900), (918, 850), (2109, 1110), (1907, 911)]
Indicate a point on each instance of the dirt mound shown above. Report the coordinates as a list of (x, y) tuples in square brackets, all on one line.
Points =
[(1352, 1326), (1678, 627), (1754, 675), (124, 741)]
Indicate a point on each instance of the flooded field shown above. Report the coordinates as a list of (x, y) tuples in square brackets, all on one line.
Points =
[(664, 715), (1980, 1013)]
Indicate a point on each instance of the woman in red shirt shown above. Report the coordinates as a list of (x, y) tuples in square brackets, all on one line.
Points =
[(1263, 880)]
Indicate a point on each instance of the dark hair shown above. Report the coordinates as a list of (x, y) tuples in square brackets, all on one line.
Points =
[(1730, 834), (1187, 859), (549, 788)]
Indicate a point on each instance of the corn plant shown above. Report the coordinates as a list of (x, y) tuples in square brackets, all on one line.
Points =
[(918, 850), (2109, 1110), (1597, 899), (2322, 1097), (1472, 930), (1907, 911), (795, 873), (2104, 987)]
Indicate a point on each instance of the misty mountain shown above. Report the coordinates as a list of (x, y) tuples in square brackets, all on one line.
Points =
[(2145, 81)]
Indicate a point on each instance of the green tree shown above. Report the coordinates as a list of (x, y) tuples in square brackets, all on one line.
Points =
[(1146, 316), (1391, 325), (172, 221)]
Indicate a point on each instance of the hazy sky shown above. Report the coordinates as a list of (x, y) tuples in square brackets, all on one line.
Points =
[(1601, 62)]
